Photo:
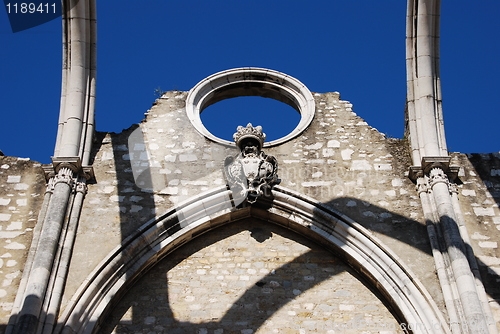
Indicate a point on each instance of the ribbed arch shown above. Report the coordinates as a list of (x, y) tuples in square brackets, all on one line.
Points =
[(159, 237)]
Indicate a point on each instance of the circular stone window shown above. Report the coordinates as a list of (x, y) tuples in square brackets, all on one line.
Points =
[(276, 118), (250, 81)]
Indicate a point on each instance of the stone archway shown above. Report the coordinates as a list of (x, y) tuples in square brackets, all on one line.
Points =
[(364, 253), (250, 276)]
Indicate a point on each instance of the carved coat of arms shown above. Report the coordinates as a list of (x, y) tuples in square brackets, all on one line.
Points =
[(252, 173)]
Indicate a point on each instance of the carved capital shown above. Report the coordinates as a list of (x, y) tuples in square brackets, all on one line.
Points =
[(453, 188), (64, 175), (437, 175), (429, 163), (80, 185), (422, 185), (415, 173), (50, 185), (72, 163)]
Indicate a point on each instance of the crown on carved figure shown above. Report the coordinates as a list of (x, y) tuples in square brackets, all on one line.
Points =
[(243, 134)]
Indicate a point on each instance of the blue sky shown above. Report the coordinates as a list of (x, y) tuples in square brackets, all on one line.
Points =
[(354, 47)]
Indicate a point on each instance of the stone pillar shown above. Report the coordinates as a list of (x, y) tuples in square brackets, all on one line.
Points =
[(448, 286), (59, 278), (76, 117), (36, 286), (424, 117), (472, 260), (463, 295), (39, 296), (29, 261), (425, 130), (40, 293), (471, 304)]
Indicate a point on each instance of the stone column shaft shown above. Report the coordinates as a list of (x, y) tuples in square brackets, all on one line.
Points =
[(29, 261), (470, 301), (473, 263), (424, 114), (36, 287), (53, 304), (425, 131), (41, 290), (76, 120), (447, 286)]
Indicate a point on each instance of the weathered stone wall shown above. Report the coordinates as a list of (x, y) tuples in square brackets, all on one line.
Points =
[(251, 277), (339, 160), (22, 186), (479, 194), (343, 162)]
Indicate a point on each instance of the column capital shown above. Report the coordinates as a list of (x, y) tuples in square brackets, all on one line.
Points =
[(437, 175), (80, 185), (428, 163), (64, 175), (453, 188), (73, 163), (422, 185), (50, 185)]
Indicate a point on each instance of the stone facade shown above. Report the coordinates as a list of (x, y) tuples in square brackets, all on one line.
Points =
[(340, 161), (287, 283), (479, 194), (166, 228), (22, 187)]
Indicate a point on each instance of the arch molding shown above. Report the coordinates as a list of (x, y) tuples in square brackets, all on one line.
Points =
[(364, 253)]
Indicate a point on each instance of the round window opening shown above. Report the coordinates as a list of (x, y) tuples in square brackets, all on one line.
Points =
[(276, 118), (281, 104)]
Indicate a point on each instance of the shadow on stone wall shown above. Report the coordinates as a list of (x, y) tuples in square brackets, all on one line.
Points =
[(137, 209), (386, 224), (486, 172), (487, 167), (413, 233), (150, 298), (134, 210)]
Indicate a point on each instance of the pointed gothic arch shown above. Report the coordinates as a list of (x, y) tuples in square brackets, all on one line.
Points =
[(159, 237)]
